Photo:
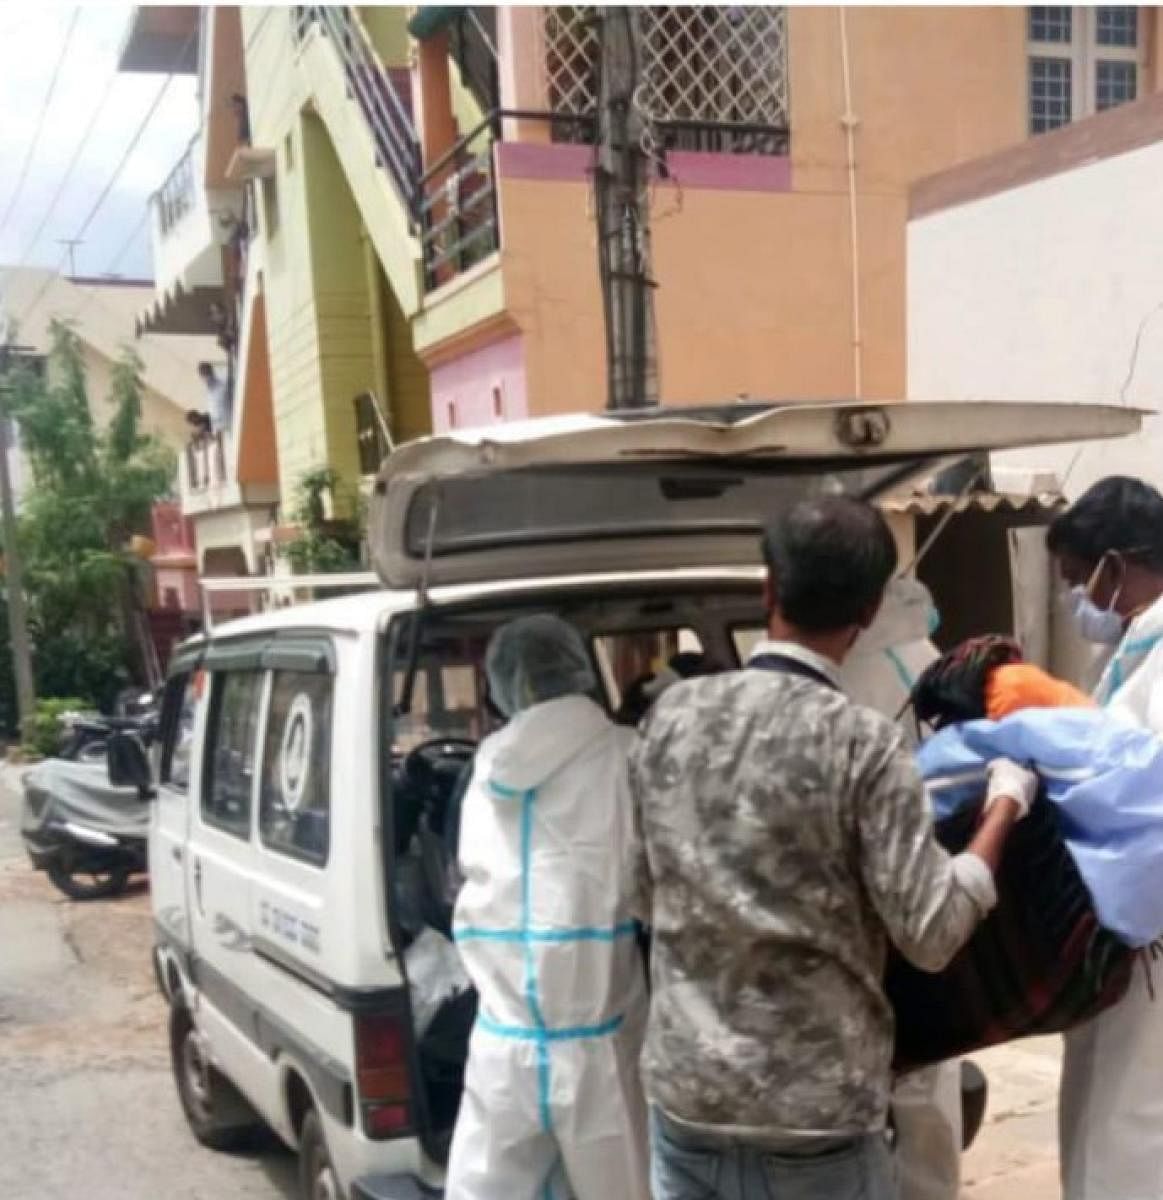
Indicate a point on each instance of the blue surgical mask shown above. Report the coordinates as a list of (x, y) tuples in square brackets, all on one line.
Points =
[(1101, 625)]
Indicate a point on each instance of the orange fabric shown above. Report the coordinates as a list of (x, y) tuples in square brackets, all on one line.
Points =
[(1022, 685)]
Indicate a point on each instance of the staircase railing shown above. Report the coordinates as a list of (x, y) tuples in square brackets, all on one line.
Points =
[(371, 86)]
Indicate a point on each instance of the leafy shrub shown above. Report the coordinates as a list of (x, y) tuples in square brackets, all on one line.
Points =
[(45, 734)]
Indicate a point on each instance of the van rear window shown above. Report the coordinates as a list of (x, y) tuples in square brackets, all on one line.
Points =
[(529, 507)]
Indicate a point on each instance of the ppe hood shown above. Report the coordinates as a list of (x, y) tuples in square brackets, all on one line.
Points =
[(667, 488)]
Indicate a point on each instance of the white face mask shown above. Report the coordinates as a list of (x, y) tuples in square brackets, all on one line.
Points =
[(1101, 625)]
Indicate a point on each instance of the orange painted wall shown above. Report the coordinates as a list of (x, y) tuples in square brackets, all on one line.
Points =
[(930, 87), (258, 456), (755, 287)]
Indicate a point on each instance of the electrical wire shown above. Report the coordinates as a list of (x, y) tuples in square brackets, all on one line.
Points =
[(137, 136), (111, 269), (78, 151), (1134, 362), (112, 182), (34, 142), (1132, 367)]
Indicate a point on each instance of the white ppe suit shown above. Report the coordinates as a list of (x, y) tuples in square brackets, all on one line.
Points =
[(552, 1104), (1110, 1110), (926, 1105)]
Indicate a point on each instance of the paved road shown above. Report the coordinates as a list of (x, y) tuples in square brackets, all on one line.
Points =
[(1016, 1154), (87, 1104)]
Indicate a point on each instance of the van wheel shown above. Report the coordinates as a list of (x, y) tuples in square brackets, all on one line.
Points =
[(81, 883), (217, 1113), (317, 1177)]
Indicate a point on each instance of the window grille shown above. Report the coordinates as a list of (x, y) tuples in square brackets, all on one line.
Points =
[(705, 70)]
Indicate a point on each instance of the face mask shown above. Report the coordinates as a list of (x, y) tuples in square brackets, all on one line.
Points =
[(1101, 625)]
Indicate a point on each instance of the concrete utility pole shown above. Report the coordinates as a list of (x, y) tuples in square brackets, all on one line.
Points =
[(13, 569), (623, 212)]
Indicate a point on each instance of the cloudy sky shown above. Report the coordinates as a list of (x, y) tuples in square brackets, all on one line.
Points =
[(32, 37)]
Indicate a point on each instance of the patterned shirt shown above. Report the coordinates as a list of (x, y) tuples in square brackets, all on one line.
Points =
[(787, 837)]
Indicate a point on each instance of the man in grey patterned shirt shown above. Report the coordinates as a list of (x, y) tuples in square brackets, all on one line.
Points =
[(787, 839)]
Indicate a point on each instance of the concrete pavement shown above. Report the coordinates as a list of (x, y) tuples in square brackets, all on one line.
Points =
[(87, 1103), (1016, 1153)]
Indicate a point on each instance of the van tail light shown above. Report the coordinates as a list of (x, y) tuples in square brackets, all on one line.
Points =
[(382, 1075)]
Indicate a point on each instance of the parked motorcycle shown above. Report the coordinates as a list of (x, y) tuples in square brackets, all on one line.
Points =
[(87, 835)]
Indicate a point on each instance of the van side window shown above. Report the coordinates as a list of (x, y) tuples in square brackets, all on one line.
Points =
[(295, 801), (178, 711), (234, 716)]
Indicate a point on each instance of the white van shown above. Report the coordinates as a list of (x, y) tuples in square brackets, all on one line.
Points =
[(307, 759)]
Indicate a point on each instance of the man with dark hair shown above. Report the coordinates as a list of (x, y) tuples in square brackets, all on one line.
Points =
[(1117, 515), (1109, 550), (787, 839)]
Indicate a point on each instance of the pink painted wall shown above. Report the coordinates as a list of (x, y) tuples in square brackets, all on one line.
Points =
[(482, 387), (179, 581), (174, 562)]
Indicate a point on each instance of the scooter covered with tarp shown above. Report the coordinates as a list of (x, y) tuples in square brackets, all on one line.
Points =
[(86, 834)]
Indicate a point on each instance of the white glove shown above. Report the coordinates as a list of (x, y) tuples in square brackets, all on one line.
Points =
[(1007, 778)]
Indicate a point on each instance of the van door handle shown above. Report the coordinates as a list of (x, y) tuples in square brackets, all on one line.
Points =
[(198, 884), (177, 853)]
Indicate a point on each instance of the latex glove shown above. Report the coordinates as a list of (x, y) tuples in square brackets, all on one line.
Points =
[(1008, 778)]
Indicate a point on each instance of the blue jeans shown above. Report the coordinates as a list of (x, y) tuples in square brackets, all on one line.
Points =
[(689, 1166)]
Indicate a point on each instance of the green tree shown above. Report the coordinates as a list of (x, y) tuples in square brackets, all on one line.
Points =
[(91, 490)]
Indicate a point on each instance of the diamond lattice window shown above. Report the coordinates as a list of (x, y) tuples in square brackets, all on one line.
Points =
[(571, 52), (707, 71)]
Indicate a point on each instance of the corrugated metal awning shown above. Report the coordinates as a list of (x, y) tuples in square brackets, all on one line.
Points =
[(926, 504)]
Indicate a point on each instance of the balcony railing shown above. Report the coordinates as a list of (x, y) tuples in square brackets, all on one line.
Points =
[(458, 207), (204, 464), (177, 195), (459, 226)]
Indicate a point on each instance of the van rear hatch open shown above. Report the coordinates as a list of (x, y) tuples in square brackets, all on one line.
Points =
[(669, 488)]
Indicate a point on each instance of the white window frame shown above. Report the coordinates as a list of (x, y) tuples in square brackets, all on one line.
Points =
[(1084, 53)]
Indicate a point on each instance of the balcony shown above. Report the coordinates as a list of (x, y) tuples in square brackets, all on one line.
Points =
[(195, 229), (161, 39), (714, 84), (208, 478)]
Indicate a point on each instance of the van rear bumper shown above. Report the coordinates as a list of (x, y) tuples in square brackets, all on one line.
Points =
[(393, 1187)]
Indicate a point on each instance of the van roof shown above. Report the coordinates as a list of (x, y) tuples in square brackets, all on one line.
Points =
[(367, 612)]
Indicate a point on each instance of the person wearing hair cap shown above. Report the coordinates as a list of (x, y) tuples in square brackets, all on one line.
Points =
[(545, 925)]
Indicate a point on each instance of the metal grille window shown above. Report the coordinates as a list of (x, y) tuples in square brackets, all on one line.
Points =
[(1117, 26), (1050, 24), (571, 52), (713, 77), (1116, 83), (1082, 61), (1050, 87)]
